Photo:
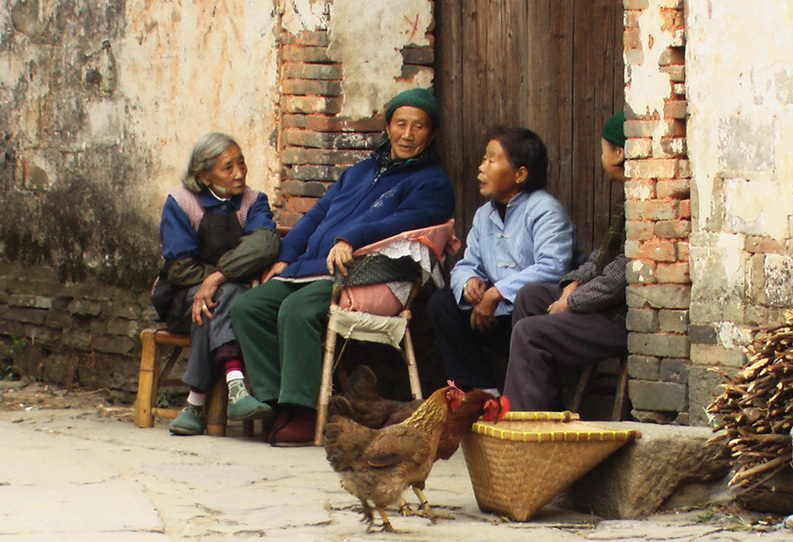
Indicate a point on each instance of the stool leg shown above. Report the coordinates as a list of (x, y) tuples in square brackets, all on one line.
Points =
[(216, 409), (326, 385), (147, 379), (583, 386), (621, 400)]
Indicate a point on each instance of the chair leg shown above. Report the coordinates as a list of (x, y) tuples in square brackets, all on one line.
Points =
[(583, 386), (413, 369), (147, 379), (216, 409), (621, 400), (326, 385)]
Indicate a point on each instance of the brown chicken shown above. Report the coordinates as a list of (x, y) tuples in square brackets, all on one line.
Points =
[(475, 404), (369, 408), (377, 465)]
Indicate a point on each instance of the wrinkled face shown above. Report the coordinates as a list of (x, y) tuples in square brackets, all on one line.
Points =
[(227, 178), (410, 132), (612, 158), (498, 180)]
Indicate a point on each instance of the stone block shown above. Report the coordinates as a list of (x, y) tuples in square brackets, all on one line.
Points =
[(424, 56), (703, 386), (651, 209), (312, 105), (85, 307), (638, 148), (674, 146), (675, 109), (25, 315), (660, 396), (636, 230), (660, 168), (659, 250), (675, 370), (659, 296), (673, 188), (644, 367), (30, 301), (302, 53), (114, 344), (673, 321), (673, 229), (641, 272), (642, 320), (714, 354), (305, 87), (635, 481), (659, 344), (301, 70), (676, 273), (703, 334)]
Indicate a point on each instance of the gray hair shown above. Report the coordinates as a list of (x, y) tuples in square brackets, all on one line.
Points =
[(205, 153)]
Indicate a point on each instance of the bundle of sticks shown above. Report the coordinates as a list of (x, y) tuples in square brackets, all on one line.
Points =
[(756, 408)]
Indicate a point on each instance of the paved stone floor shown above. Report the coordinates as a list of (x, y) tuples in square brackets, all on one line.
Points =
[(88, 474)]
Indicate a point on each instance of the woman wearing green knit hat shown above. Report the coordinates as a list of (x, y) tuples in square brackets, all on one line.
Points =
[(581, 321), (280, 323)]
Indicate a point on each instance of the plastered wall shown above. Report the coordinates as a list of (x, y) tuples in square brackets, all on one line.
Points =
[(740, 139)]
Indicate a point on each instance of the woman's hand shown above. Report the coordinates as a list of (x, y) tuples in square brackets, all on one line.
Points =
[(560, 305), (202, 302), (474, 290), (339, 256), (276, 269), (483, 313)]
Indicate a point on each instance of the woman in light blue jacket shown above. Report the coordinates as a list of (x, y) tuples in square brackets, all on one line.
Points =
[(522, 235)]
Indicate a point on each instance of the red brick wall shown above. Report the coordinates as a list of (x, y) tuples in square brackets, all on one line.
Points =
[(316, 142), (658, 211)]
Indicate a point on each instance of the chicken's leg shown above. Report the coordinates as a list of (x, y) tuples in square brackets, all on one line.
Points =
[(426, 508)]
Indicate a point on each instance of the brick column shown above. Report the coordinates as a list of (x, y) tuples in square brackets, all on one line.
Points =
[(316, 142), (658, 212)]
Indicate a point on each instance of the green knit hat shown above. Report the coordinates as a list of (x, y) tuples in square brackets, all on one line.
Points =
[(416, 97), (614, 131)]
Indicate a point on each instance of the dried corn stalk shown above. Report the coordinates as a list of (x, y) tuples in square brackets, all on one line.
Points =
[(756, 408)]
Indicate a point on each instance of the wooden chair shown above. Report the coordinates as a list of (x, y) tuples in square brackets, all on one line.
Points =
[(347, 318), (161, 345), (620, 410)]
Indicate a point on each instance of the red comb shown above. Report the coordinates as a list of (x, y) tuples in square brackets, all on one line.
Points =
[(506, 405), (451, 383)]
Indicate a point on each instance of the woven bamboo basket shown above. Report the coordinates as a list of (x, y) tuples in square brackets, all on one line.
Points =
[(518, 465)]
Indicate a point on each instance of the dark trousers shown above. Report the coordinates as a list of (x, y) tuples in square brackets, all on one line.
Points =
[(462, 347), (545, 344)]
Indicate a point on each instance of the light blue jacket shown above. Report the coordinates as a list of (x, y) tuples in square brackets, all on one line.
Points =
[(536, 244)]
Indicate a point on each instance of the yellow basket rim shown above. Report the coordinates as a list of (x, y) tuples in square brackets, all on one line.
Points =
[(602, 433)]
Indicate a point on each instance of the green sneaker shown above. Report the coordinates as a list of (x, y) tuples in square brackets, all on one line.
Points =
[(243, 406), (190, 421)]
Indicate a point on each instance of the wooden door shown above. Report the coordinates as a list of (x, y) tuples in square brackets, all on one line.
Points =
[(554, 66)]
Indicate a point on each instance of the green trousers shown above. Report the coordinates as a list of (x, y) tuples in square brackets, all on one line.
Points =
[(280, 327)]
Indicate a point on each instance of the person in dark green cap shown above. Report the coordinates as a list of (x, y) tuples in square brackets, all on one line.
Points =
[(581, 321), (279, 324)]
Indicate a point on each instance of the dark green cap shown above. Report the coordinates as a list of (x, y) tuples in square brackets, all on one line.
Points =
[(614, 129), (416, 97)]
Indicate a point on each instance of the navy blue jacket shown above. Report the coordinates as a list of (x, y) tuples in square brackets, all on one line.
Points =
[(363, 207)]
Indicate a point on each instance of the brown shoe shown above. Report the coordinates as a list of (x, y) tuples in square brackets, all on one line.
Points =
[(298, 431), (282, 418)]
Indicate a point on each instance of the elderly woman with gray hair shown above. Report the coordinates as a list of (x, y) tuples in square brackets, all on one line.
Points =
[(217, 236)]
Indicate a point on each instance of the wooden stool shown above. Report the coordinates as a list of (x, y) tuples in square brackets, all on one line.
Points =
[(154, 375), (620, 411)]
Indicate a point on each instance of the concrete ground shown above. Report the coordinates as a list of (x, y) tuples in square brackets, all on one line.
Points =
[(88, 474)]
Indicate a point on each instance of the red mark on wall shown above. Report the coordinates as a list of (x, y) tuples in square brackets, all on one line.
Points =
[(414, 24)]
